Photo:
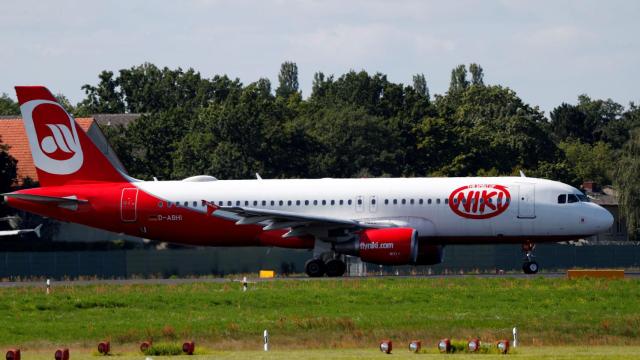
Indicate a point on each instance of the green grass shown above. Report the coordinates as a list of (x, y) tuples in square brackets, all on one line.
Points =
[(526, 353), (325, 314)]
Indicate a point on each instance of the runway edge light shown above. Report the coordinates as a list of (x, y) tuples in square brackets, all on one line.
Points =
[(473, 345), (444, 345), (145, 345), (415, 346), (62, 354), (503, 346), (104, 347), (13, 354), (386, 346), (189, 347)]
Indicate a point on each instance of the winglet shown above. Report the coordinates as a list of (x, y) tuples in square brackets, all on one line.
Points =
[(37, 230)]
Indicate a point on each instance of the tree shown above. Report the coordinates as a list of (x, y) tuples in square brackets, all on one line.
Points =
[(287, 80), (627, 183), (8, 172), (104, 98), (590, 162), (477, 75), (420, 85), (459, 80), (8, 106)]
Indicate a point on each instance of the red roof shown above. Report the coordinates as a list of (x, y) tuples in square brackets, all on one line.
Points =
[(12, 133)]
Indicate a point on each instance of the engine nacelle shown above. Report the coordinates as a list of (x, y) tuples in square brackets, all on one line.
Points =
[(393, 246)]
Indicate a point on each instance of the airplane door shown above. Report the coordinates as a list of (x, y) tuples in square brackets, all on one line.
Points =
[(128, 204), (373, 203), (526, 201), (359, 203)]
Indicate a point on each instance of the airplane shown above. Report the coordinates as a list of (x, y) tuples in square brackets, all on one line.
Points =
[(389, 221)]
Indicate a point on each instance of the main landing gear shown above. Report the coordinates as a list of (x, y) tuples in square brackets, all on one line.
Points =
[(530, 266), (333, 267)]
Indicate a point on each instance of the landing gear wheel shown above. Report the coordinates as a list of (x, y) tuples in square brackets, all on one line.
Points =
[(530, 267), (335, 267), (314, 268)]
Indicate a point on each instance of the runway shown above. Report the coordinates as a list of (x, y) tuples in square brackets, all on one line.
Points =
[(177, 281)]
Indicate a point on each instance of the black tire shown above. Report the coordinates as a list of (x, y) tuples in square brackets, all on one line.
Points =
[(314, 268), (530, 267), (335, 268)]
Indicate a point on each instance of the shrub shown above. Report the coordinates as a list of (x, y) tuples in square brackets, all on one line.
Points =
[(164, 349)]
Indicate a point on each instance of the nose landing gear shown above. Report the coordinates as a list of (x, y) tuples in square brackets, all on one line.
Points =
[(530, 266)]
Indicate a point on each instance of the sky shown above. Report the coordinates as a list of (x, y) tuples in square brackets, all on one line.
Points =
[(549, 52)]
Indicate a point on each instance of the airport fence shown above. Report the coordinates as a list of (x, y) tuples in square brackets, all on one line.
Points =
[(223, 261)]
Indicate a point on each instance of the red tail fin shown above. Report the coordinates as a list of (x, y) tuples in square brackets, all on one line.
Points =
[(62, 152)]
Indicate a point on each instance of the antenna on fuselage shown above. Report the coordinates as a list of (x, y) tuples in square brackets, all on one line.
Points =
[(258, 177), (522, 174)]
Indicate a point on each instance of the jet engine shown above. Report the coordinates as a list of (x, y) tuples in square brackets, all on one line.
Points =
[(392, 246)]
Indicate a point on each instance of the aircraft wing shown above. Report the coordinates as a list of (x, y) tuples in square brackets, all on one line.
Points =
[(298, 224), (23, 231)]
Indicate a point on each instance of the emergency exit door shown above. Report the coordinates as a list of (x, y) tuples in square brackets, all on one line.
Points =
[(526, 201), (128, 204)]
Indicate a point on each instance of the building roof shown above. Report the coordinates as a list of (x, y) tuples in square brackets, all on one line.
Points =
[(115, 119), (12, 133)]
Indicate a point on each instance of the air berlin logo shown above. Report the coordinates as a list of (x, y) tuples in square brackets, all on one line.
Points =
[(481, 201), (53, 137)]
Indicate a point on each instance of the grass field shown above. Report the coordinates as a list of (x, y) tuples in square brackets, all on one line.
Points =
[(325, 315)]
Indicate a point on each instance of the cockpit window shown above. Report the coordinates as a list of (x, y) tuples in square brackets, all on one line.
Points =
[(583, 198), (562, 199), (572, 198)]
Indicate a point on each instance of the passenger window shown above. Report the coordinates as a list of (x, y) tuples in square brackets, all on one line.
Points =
[(264, 203), (221, 203), (411, 201), (395, 201), (446, 201), (315, 202), (229, 203), (571, 198), (359, 201), (186, 203), (324, 202), (373, 201), (255, 202), (297, 202), (386, 201), (341, 202), (289, 202), (349, 202), (237, 202), (420, 202), (306, 202), (246, 203), (159, 204), (281, 203), (333, 202), (437, 201), (429, 201), (169, 204), (273, 203), (404, 201), (562, 199)]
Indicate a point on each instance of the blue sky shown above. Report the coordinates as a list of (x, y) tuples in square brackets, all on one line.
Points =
[(549, 52)]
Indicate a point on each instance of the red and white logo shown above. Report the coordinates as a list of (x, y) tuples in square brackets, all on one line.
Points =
[(53, 137), (480, 201)]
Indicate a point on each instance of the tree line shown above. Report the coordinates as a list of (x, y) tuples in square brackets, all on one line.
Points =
[(359, 125)]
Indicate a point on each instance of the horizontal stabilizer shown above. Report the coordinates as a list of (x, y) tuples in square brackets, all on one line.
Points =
[(48, 200)]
